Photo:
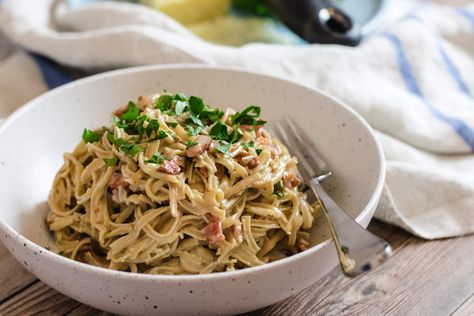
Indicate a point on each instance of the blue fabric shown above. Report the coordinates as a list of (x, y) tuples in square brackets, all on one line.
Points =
[(468, 15), (449, 63), (52, 74), (454, 72), (463, 130)]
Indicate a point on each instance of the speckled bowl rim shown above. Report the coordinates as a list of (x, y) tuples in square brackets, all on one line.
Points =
[(8, 230)]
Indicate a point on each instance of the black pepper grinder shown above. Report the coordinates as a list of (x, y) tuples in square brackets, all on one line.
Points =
[(317, 21)]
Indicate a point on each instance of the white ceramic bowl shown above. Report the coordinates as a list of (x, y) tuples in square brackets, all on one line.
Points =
[(33, 140)]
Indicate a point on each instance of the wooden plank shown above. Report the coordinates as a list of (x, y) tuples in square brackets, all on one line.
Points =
[(13, 276), (466, 309), (316, 294), (423, 278), (37, 299)]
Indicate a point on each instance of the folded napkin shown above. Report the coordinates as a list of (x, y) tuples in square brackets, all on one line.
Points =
[(413, 82)]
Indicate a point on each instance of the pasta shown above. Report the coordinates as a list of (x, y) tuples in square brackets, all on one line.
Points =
[(176, 187)]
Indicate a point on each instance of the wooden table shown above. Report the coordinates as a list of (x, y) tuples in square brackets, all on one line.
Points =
[(422, 278)]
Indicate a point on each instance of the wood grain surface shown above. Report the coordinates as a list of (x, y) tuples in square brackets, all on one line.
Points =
[(422, 278)]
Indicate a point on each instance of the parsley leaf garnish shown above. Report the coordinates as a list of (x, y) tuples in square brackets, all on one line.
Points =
[(193, 131), (214, 115), (111, 162), (164, 102), (235, 136), (190, 144), (180, 96), (279, 189), (258, 151), (180, 107), (159, 135), (90, 136), (129, 149), (152, 126), (131, 114), (218, 131), (248, 145), (223, 147), (196, 105), (157, 158), (172, 124), (194, 119), (248, 116)]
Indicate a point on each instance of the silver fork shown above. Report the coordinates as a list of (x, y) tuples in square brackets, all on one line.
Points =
[(359, 250)]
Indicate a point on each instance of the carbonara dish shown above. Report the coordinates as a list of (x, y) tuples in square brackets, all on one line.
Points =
[(174, 186)]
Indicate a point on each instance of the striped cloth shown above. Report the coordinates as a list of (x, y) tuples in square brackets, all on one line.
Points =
[(413, 82)]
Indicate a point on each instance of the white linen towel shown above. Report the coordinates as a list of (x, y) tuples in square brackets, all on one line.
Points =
[(414, 83)]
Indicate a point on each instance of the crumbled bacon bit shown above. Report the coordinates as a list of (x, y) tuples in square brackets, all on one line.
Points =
[(140, 98), (122, 109), (202, 145), (173, 166), (253, 163), (302, 244), (237, 231), (115, 195), (117, 180), (214, 230), (291, 181), (204, 172)]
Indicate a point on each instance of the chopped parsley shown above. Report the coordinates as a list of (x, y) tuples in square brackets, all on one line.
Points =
[(190, 144), (111, 162), (258, 151), (196, 105), (129, 149), (219, 132), (248, 145), (90, 136), (164, 102), (193, 131), (279, 189), (180, 96), (157, 158), (132, 113), (172, 124), (223, 147), (152, 126), (214, 115), (234, 136), (249, 116), (345, 249)]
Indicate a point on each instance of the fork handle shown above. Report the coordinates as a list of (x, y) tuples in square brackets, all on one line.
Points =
[(359, 250)]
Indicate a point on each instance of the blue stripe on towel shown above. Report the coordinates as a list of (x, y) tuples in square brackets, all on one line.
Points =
[(405, 69), (454, 72), (51, 72), (467, 14), (450, 65)]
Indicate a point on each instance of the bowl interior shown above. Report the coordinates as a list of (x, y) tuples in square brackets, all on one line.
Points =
[(36, 136)]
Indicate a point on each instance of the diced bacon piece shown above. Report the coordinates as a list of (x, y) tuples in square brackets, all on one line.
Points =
[(302, 244), (291, 181), (115, 195), (173, 166), (202, 145), (119, 111), (204, 172), (237, 231), (253, 163), (213, 230), (117, 180)]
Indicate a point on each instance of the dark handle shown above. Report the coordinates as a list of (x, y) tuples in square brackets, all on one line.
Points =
[(317, 21)]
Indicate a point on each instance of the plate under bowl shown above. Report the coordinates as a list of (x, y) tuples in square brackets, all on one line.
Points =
[(35, 137)]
